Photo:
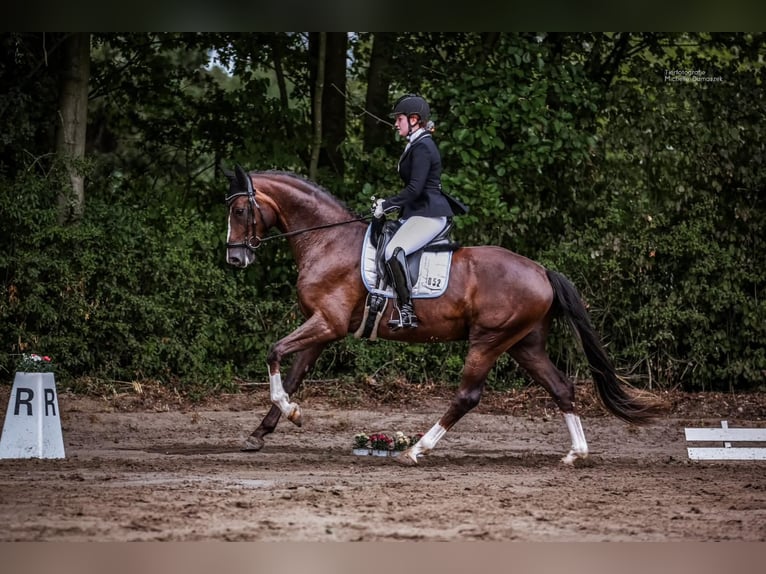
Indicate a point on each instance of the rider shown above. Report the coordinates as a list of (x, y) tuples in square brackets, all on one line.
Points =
[(424, 209)]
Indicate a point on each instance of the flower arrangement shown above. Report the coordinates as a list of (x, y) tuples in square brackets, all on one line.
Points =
[(401, 441), (361, 440), (34, 363), (379, 443)]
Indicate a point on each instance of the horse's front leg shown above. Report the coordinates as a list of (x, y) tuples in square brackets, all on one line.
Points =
[(317, 330), (301, 366)]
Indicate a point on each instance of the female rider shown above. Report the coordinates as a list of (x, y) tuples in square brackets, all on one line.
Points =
[(424, 209)]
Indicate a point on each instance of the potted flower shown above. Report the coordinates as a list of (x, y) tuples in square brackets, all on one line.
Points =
[(361, 444), (401, 443), (34, 363), (380, 444)]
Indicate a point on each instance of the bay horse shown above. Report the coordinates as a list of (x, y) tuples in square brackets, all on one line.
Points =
[(497, 300)]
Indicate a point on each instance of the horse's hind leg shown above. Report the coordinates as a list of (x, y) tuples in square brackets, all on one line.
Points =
[(479, 361), (302, 364), (530, 354)]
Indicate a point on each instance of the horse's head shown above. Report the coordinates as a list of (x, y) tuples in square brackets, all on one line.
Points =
[(242, 239)]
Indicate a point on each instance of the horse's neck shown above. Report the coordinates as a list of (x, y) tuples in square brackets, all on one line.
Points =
[(299, 209), (308, 212)]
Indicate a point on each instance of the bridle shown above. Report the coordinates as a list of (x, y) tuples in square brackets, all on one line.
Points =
[(252, 241)]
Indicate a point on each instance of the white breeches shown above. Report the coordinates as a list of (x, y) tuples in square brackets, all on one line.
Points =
[(415, 233)]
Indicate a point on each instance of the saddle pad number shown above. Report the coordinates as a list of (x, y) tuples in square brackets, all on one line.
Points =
[(434, 270)]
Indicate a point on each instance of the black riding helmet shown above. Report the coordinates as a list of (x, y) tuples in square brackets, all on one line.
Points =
[(409, 105)]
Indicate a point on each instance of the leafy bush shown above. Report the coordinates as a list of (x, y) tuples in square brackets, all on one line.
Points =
[(126, 294), (571, 149)]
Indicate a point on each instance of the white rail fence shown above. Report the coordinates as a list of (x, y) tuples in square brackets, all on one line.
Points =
[(749, 450)]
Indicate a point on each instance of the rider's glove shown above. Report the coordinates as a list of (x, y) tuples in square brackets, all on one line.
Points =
[(377, 210)]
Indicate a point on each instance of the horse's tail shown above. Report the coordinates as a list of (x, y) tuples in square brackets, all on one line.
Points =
[(615, 396)]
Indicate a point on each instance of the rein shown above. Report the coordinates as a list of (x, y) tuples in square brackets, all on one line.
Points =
[(325, 226), (254, 242)]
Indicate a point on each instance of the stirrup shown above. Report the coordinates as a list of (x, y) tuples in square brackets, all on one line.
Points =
[(407, 318)]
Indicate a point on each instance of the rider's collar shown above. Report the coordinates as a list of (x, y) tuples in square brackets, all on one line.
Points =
[(416, 134)]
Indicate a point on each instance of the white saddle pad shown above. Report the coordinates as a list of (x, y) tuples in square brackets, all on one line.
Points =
[(432, 277)]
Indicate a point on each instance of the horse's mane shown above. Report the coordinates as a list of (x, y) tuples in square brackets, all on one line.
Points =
[(308, 186)]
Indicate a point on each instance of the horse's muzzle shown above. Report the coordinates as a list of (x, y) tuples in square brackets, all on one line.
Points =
[(239, 257), (235, 260)]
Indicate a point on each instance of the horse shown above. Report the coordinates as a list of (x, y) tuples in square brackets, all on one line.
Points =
[(497, 300)]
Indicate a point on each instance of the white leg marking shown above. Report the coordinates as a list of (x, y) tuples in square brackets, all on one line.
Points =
[(278, 395), (579, 444), (426, 443)]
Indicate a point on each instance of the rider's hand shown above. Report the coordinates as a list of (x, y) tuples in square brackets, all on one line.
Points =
[(377, 210)]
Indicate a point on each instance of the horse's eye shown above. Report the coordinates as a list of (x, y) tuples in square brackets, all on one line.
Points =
[(239, 211)]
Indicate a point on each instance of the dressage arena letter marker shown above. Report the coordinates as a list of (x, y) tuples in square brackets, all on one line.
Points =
[(727, 436), (32, 426)]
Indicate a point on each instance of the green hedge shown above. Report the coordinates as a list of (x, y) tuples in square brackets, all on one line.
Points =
[(648, 194), (138, 292), (128, 293)]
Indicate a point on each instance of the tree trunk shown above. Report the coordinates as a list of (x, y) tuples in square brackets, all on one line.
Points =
[(277, 51), (335, 100), (334, 97), (73, 115), (317, 104), (376, 103)]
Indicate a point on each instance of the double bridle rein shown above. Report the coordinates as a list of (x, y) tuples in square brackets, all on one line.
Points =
[(252, 241)]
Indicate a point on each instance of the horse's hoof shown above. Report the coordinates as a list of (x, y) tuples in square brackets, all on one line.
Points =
[(295, 416), (253, 444), (572, 456), (406, 458)]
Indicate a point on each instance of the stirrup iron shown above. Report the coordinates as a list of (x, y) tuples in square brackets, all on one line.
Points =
[(407, 318)]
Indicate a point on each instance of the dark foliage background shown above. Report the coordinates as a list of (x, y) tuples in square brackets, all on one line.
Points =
[(583, 151)]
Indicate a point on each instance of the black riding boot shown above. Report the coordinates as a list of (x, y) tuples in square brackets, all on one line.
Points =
[(397, 268)]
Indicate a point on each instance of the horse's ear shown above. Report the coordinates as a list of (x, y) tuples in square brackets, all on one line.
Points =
[(242, 178), (227, 172)]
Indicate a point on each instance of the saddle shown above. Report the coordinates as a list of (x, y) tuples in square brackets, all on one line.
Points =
[(428, 269)]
